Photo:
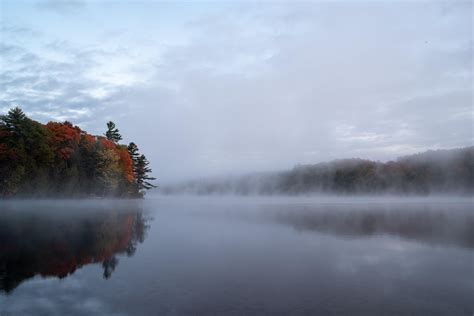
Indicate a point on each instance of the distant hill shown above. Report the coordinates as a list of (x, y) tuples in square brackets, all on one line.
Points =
[(439, 171)]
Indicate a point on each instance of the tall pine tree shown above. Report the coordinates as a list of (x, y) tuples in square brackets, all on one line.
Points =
[(142, 174), (13, 120), (112, 133), (133, 152), (141, 170)]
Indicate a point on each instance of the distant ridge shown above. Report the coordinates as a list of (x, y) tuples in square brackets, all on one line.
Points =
[(434, 171)]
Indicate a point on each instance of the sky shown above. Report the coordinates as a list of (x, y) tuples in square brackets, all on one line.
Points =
[(217, 88)]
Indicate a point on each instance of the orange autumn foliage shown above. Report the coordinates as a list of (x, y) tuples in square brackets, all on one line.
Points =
[(107, 144), (126, 163), (64, 138), (89, 139)]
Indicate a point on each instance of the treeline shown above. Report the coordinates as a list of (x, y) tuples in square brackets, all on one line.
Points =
[(61, 160), (441, 171)]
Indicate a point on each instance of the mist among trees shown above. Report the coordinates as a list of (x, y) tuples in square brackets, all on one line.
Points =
[(441, 171)]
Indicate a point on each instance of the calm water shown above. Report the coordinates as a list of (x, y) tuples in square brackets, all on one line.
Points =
[(239, 256)]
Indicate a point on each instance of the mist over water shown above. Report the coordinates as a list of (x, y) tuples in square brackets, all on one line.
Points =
[(236, 158), (234, 255), (428, 173)]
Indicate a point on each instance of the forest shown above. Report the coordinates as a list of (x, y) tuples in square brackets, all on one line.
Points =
[(431, 172), (61, 160)]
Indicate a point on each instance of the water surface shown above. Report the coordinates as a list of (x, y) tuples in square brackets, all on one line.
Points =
[(252, 256)]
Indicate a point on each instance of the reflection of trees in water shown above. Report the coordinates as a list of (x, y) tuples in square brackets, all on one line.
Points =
[(50, 244), (109, 266), (440, 225)]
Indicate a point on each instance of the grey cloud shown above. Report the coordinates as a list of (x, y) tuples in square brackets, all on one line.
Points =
[(52, 90), (51, 296), (275, 109), (264, 87)]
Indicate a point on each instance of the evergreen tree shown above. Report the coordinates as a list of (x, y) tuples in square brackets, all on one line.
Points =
[(133, 152), (142, 176), (25, 153), (134, 155), (13, 121), (140, 170), (112, 133)]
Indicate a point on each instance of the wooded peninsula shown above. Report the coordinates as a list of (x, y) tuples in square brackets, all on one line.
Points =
[(61, 160)]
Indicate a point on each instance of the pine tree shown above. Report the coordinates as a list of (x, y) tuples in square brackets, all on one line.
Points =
[(133, 152), (25, 154), (13, 121), (142, 172), (112, 133)]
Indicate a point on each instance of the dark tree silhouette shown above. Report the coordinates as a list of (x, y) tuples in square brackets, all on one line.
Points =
[(109, 266), (13, 121), (140, 169), (142, 176), (112, 133), (133, 151)]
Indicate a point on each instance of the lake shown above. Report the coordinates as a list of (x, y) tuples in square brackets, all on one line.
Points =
[(238, 256)]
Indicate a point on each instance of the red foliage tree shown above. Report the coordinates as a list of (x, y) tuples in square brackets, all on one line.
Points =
[(64, 138), (126, 163), (107, 144)]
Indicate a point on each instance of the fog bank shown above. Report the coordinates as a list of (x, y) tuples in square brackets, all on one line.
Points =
[(432, 172)]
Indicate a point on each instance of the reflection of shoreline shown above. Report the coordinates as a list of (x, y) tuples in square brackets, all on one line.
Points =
[(51, 243), (436, 225)]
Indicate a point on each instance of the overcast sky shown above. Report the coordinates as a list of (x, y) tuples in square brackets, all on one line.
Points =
[(235, 87)]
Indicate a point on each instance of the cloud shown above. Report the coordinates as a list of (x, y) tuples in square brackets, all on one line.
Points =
[(46, 89), (60, 81), (246, 87), (51, 296), (61, 6), (252, 100)]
